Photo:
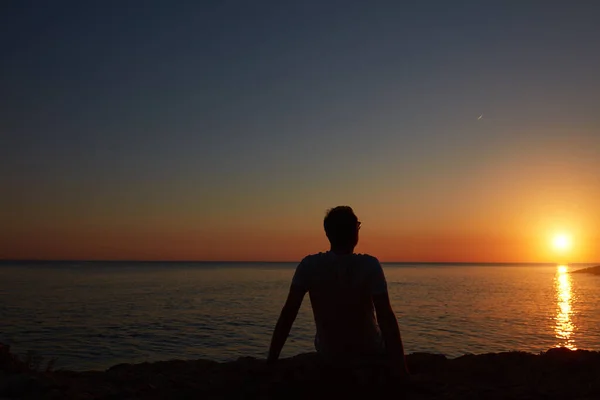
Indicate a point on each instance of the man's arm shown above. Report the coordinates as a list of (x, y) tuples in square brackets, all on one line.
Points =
[(390, 331), (386, 319), (285, 321)]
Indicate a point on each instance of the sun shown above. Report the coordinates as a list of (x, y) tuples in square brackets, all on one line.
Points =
[(561, 242)]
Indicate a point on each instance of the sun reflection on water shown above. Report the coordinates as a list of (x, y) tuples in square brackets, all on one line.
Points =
[(564, 325)]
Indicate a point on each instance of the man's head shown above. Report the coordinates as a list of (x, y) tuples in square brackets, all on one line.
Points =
[(341, 227)]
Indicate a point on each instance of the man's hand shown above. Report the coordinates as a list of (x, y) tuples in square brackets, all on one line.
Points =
[(401, 374), (271, 360)]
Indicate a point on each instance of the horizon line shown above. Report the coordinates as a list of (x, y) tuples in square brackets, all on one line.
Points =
[(5, 260)]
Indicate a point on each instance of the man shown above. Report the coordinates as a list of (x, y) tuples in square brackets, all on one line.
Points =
[(346, 290)]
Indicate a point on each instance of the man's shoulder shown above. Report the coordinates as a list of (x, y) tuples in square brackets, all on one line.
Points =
[(314, 258), (367, 258), (322, 256)]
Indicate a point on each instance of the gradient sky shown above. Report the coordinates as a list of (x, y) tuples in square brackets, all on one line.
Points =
[(223, 130)]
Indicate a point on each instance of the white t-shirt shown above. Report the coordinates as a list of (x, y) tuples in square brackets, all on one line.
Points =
[(341, 289)]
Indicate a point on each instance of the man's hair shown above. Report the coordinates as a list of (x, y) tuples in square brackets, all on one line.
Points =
[(341, 226)]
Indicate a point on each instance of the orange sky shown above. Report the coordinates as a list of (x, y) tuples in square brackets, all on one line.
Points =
[(290, 246), (506, 210), (456, 133), (507, 220)]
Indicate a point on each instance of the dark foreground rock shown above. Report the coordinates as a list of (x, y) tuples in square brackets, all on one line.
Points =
[(556, 374), (592, 270)]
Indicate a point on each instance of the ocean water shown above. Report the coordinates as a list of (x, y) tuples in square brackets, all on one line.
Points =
[(94, 315)]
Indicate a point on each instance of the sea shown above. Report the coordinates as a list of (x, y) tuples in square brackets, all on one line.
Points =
[(93, 315)]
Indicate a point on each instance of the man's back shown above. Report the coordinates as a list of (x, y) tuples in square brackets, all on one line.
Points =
[(341, 289), (345, 291)]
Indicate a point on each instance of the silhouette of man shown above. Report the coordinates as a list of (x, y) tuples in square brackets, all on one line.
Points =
[(348, 293)]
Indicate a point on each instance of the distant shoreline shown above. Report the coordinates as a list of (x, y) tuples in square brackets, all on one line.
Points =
[(595, 270)]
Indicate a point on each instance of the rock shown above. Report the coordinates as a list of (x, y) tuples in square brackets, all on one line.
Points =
[(418, 362), (556, 374), (19, 385), (592, 270)]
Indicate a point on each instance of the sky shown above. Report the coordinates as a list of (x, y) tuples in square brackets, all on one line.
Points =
[(224, 130)]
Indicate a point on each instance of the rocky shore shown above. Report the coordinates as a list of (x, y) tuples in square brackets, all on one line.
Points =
[(592, 270), (555, 374)]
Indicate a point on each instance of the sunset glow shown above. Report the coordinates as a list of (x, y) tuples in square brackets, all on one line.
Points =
[(561, 242)]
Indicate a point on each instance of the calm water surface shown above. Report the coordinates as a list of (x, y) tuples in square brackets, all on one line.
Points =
[(95, 315)]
